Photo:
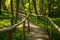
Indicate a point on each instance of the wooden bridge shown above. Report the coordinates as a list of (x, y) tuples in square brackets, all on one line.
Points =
[(35, 32)]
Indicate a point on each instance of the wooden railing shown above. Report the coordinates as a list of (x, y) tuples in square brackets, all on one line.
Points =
[(10, 29), (52, 24)]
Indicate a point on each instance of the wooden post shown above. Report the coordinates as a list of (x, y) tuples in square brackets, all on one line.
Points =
[(44, 22), (58, 35), (23, 35), (28, 25), (44, 13), (37, 20), (10, 35), (47, 25), (51, 32)]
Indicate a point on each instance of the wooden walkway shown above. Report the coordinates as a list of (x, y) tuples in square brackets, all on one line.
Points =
[(37, 33)]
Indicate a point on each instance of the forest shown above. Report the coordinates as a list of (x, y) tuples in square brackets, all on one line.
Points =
[(15, 14)]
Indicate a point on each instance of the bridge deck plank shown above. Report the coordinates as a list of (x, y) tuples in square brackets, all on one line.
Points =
[(37, 33)]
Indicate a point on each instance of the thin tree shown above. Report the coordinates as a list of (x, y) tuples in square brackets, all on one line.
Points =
[(34, 3), (17, 10), (49, 7), (23, 5), (29, 6), (12, 20), (28, 17), (53, 2), (35, 8), (41, 6)]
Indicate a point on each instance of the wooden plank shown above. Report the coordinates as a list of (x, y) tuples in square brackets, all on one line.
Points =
[(37, 33)]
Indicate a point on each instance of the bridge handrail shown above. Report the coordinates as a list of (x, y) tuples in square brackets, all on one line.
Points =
[(13, 26), (56, 26), (50, 20), (52, 24)]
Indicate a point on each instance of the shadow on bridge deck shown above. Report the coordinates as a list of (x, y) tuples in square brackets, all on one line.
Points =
[(37, 33)]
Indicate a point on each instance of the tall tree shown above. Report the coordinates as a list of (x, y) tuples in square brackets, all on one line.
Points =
[(51, 7), (35, 8), (23, 5), (42, 6), (29, 6)]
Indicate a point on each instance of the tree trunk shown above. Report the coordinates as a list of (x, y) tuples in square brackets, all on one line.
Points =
[(35, 8), (12, 20), (17, 10)]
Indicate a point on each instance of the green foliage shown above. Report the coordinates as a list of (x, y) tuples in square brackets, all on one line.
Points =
[(6, 4), (5, 19)]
